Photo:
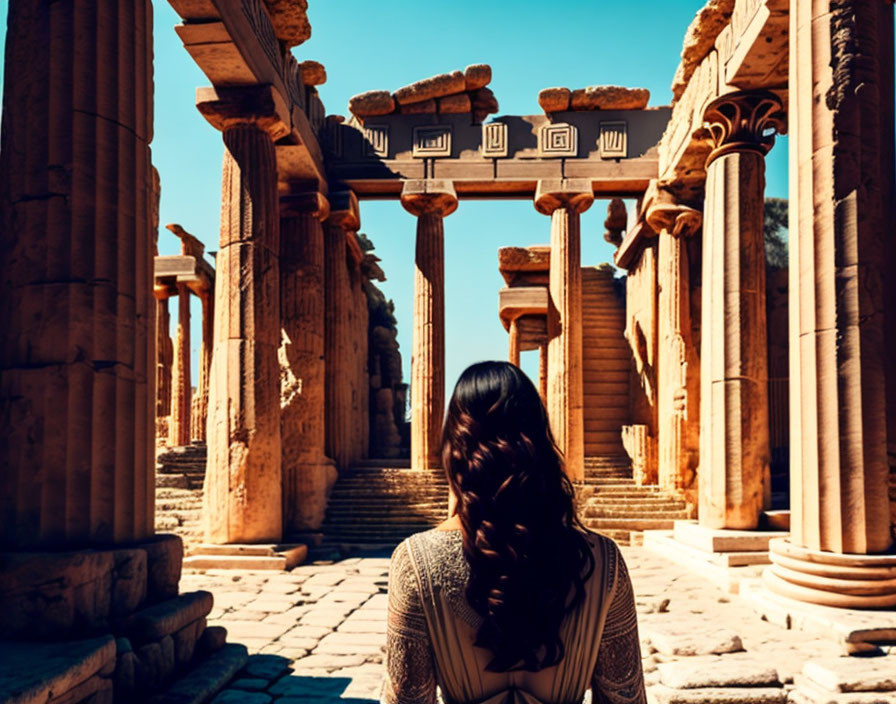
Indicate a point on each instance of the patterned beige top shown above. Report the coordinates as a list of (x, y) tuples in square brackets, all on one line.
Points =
[(431, 629)]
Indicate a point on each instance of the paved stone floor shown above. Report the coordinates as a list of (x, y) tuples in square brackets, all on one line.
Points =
[(317, 633)]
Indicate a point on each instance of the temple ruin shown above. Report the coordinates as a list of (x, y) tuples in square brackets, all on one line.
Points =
[(672, 383)]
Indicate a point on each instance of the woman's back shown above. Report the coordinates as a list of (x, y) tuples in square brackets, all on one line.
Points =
[(432, 628)]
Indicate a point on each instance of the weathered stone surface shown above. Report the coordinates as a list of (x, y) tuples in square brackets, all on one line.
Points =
[(164, 557), (684, 639), (433, 87), (313, 73), (719, 695), (212, 640), (128, 581), (203, 681), (267, 667), (424, 107), (40, 672), (477, 76), (484, 103), (853, 674), (728, 671), (699, 40), (554, 99), (160, 620), (455, 104), (185, 641), (371, 103), (229, 696), (609, 98), (290, 20)]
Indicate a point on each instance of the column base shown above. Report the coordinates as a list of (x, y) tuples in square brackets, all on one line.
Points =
[(831, 579), (256, 556)]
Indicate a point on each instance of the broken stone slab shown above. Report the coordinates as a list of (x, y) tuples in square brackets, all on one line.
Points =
[(433, 87), (371, 103), (290, 20), (853, 674), (203, 681), (683, 638), (700, 39), (726, 671), (459, 104), (718, 695), (164, 559), (128, 582), (484, 100), (213, 638), (477, 76), (609, 98), (425, 107), (806, 691), (41, 672), (554, 99), (313, 73), (155, 622)]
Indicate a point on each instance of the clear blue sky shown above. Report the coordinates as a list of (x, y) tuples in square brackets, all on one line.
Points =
[(530, 45)]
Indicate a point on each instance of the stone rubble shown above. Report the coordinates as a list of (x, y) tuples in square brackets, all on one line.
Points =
[(593, 98)]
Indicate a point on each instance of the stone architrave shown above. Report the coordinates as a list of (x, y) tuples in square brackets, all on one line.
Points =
[(77, 354), (564, 200), (242, 495), (430, 201), (344, 221), (841, 215), (181, 384), (200, 402), (734, 447), (305, 468), (678, 362)]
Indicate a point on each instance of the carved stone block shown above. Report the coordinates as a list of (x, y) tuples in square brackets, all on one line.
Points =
[(433, 141), (613, 141), (376, 141), (559, 139), (494, 140)]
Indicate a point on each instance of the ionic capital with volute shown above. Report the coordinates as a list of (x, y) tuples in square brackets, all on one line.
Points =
[(574, 194), (665, 214), (743, 121), (429, 197), (232, 106)]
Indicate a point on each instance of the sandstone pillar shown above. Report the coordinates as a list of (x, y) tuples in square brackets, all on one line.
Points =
[(344, 219), (543, 372), (200, 403), (734, 450), (360, 377), (514, 341), (77, 352), (181, 384), (430, 201), (564, 200), (164, 357), (841, 208), (242, 499), (305, 467), (678, 363)]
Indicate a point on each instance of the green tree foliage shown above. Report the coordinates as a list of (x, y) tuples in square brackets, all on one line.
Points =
[(774, 229)]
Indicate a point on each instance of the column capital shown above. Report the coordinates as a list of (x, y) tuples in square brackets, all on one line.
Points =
[(260, 105), (429, 196), (311, 202), (746, 120), (344, 210), (665, 212), (574, 194)]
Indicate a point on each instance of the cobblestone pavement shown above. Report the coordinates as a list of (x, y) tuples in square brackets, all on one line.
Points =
[(317, 633)]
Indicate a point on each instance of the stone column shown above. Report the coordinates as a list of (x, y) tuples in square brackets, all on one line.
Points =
[(564, 200), (841, 209), (77, 351), (734, 451), (242, 498), (543, 372), (200, 413), (164, 356), (514, 341), (344, 218), (305, 467), (181, 384), (430, 201), (678, 363)]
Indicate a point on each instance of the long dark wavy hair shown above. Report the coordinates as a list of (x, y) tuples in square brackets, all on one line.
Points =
[(528, 556)]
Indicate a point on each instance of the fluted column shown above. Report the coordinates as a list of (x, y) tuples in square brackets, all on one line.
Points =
[(164, 357), (200, 403), (543, 372), (841, 227), (242, 498), (181, 384), (514, 343), (77, 350), (430, 201), (344, 219), (734, 450), (678, 365), (564, 200), (305, 469)]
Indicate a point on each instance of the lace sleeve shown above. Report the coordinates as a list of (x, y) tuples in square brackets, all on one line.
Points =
[(618, 678), (410, 677)]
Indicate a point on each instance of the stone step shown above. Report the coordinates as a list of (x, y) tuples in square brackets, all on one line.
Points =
[(176, 493), (592, 511), (382, 462), (630, 523), (659, 502)]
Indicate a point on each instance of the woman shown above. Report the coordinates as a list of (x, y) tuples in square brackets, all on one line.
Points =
[(510, 599)]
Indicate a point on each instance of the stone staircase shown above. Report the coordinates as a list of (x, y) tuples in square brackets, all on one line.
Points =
[(381, 502), (180, 473), (612, 504)]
